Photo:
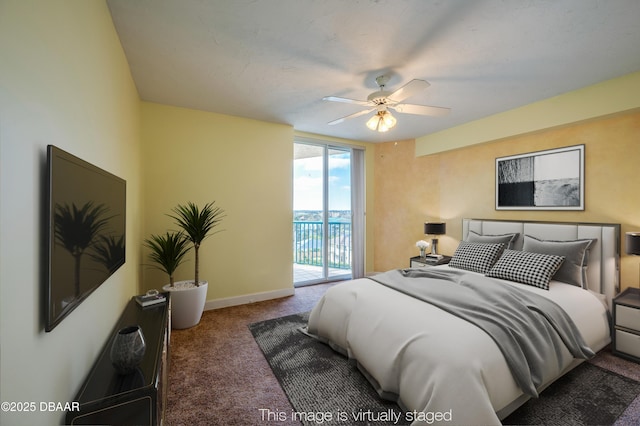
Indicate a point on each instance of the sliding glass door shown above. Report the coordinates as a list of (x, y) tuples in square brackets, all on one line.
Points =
[(322, 217)]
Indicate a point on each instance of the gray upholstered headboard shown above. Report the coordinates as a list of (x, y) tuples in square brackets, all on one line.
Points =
[(603, 272)]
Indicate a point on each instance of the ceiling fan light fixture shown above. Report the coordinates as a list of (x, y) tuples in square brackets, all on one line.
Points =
[(382, 100), (373, 122), (389, 120), (382, 121)]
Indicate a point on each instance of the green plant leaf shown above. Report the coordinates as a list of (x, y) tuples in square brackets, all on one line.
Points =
[(197, 224), (168, 251)]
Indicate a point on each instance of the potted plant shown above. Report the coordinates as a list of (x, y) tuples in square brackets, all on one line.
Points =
[(188, 297), (168, 252)]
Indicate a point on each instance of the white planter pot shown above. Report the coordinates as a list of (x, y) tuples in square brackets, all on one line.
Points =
[(187, 303)]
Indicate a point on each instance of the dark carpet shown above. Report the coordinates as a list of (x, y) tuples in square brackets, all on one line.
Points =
[(587, 395), (323, 386), (326, 388)]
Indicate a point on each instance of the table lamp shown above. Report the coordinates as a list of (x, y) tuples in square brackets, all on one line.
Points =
[(439, 228), (632, 240)]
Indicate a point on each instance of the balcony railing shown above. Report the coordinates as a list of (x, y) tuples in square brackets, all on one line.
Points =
[(307, 244)]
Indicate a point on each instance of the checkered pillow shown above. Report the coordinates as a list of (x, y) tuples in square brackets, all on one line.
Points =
[(526, 267), (476, 257)]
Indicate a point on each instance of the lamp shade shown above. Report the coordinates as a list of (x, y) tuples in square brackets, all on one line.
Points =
[(382, 121), (435, 228), (633, 243)]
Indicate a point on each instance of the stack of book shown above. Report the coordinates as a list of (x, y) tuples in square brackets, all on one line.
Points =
[(150, 299)]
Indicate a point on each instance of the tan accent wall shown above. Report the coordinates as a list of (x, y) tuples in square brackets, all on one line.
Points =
[(407, 193), (456, 184)]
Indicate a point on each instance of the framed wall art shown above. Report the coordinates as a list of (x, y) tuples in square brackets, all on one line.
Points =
[(543, 180)]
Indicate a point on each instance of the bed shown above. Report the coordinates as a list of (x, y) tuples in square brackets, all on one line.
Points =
[(459, 364)]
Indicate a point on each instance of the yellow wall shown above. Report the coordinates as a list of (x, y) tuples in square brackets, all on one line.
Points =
[(607, 98), (464, 186), (64, 80), (246, 167)]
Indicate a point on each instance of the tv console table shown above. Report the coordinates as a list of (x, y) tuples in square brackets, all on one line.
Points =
[(138, 398)]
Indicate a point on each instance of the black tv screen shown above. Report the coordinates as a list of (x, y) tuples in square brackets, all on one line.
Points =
[(86, 210)]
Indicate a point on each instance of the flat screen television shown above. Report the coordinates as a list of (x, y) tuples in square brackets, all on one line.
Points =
[(86, 210)]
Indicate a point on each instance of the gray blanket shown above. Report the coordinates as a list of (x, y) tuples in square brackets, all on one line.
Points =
[(529, 329)]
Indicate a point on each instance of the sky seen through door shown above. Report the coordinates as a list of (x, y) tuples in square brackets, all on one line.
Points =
[(307, 185)]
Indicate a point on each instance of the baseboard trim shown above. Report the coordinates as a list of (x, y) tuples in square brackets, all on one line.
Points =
[(248, 298)]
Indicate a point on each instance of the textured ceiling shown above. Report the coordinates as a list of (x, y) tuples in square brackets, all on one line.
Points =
[(274, 60)]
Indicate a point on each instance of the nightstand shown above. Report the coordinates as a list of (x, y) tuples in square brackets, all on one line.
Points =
[(626, 321), (417, 262)]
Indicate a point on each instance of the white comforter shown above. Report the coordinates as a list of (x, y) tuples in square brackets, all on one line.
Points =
[(438, 365)]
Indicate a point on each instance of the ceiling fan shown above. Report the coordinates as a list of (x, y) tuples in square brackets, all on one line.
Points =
[(382, 101)]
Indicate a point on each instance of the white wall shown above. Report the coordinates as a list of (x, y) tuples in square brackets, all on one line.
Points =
[(64, 80)]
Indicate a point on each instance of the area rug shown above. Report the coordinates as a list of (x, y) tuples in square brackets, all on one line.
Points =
[(326, 388), (587, 395), (323, 386)]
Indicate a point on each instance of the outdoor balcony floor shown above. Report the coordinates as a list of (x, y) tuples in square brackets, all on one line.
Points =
[(309, 273)]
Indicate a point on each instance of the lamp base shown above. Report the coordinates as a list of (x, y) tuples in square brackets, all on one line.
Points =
[(434, 246)]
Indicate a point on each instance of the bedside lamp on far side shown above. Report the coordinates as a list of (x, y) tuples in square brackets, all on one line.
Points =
[(439, 228), (632, 240)]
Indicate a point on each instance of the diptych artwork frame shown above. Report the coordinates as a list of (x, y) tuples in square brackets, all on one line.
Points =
[(542, 180)]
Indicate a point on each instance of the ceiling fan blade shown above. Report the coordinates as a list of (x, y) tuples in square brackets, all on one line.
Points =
[(408, 90), (421, 109), (357, 114), (346, 100)]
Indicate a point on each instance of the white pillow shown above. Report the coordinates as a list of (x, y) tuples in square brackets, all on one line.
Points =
[(507, 239)]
